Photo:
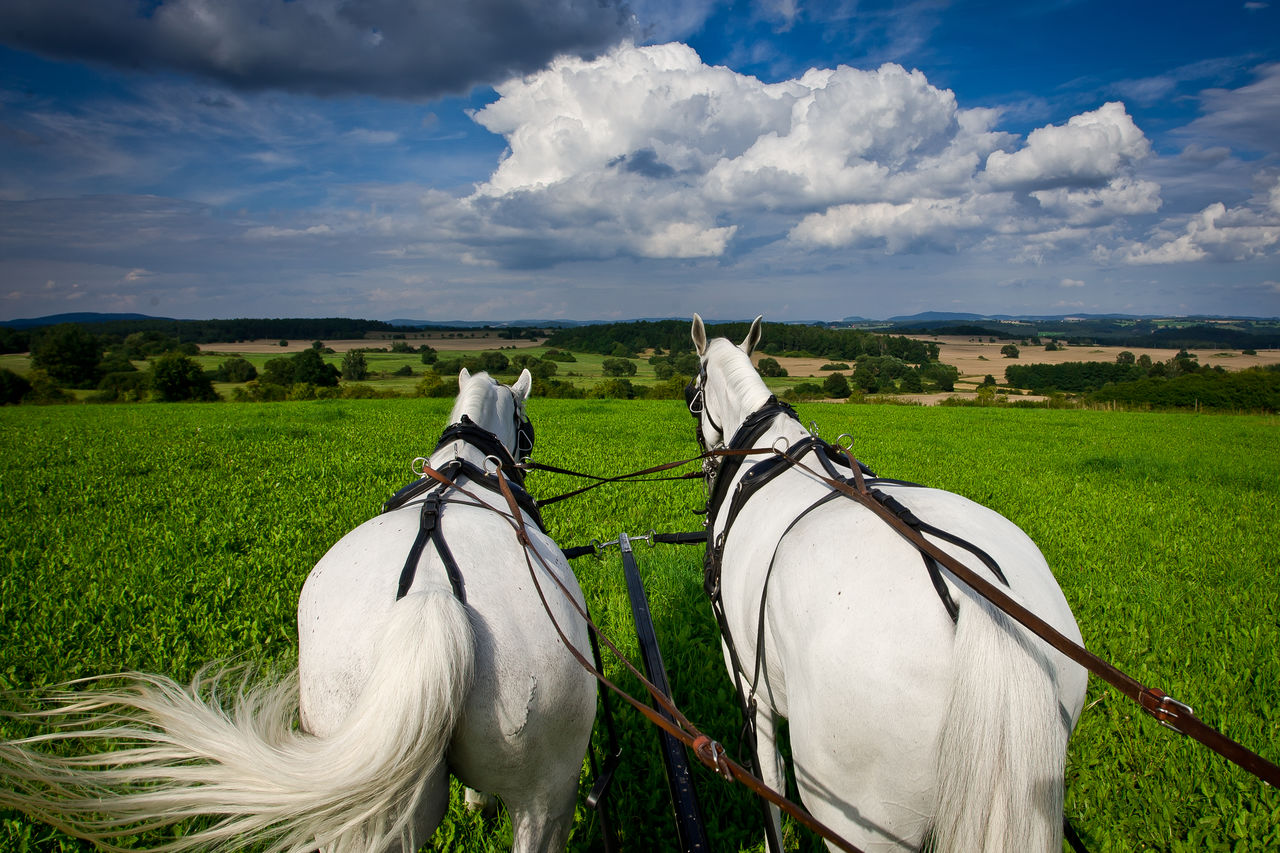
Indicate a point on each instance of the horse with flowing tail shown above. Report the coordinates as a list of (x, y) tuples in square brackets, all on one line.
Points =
[(424, 650), (919, 714)]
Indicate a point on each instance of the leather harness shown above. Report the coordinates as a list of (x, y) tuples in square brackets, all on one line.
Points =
[(1155, 702), (432, 495)]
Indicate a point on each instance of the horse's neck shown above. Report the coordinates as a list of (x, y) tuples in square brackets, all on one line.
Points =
[(745, 392)]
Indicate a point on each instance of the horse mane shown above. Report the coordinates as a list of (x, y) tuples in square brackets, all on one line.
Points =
[(740, 376)]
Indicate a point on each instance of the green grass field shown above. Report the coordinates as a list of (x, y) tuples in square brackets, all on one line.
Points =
[(158, 537)]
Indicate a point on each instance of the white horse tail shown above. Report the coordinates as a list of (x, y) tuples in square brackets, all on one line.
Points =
[(178, 753), (1003, 744)]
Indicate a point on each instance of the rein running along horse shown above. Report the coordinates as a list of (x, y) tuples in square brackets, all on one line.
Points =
[(419, 655), (919, 713)]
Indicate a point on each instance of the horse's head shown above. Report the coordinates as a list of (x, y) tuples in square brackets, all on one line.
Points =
[(496, 408), (727, 387)]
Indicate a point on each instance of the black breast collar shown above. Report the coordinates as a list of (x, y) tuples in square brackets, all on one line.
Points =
[(431, 493)]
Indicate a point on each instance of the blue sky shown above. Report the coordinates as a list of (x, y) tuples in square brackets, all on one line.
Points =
[(592, 159)]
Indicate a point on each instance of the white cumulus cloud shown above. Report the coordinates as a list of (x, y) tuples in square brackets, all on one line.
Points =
[(1216, 232), (1090, 149)]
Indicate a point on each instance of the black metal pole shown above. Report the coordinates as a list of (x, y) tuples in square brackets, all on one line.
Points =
[(684, 798)]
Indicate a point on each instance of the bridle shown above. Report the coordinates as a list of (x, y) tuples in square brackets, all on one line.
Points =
[(695, 398), (489, 444)]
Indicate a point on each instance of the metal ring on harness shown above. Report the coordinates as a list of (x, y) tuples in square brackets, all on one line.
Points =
[(786, 445), (848, 446), (419, 466), (497, 464)]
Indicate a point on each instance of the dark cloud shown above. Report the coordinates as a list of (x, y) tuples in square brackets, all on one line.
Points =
[(400, 48)]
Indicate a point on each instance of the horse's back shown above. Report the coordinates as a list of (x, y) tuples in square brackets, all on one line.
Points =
[(530, 701), (858, 644)]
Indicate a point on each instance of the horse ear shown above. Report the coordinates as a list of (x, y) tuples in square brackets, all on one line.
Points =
[(464, 376), (699, 334), (753, 336), (523, 385)]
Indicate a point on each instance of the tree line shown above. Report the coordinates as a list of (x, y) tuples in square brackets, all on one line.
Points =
[(1180, 382), (624, 340)]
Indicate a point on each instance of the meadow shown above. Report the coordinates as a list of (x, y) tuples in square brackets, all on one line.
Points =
[(159, 537)]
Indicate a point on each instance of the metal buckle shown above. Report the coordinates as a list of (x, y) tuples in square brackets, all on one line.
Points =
[(419, 466), (1164, 708)]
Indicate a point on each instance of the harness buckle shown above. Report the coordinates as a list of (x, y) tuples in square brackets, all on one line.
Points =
[(786, 445), (497, 464), (419, 466), (1164, 708), (813, 429)]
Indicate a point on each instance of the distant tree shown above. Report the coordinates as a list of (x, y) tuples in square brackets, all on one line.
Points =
[(69, 354), (401, 346), (621, 350), (354, 366), (988, 381), (1009, 351), (129, 385), (236, 369), (429, 355), (175, 377), (1052, 346), (493, 362), (619, 367), (770, 367), (836, 385), (317, 345), (12, 387), (13, 340), (1126, 357), (44, 389), (116, 361), (310, 368), (148, 343), (805, 391), (911, 383), (687, 363), (541, 368), (283, 342), (277, 371), (621, 389)]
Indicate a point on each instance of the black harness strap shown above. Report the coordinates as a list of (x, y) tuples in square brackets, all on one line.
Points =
[(429, 531), (431, 492)]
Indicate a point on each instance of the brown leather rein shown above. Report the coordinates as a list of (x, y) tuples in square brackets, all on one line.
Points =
[(710, 752), (1167, 710), (1153, 701)]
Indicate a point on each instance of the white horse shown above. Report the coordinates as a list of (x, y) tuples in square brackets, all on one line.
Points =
[(904, 725), (394, 692)]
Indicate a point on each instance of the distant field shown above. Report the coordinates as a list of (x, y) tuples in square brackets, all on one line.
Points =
[(975, 358), (477, 340), (158, 537)]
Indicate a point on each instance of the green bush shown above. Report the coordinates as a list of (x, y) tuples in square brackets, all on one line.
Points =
[(619, 367), (236, 370), (175, 378)]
